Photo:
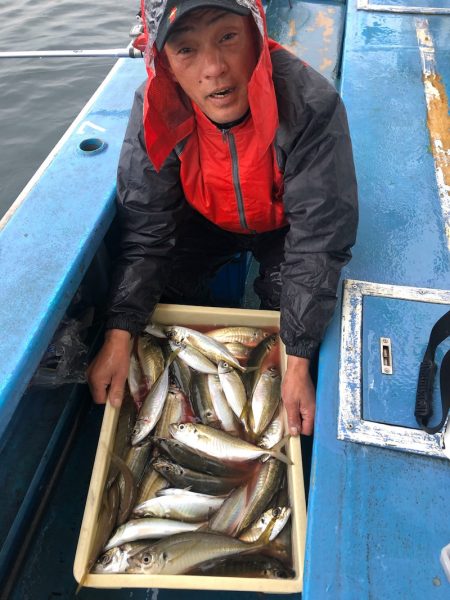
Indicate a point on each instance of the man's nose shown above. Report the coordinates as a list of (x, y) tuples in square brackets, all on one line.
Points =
[(214, 64)]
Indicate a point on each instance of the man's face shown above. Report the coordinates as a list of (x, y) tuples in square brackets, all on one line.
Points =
[(212, 55)]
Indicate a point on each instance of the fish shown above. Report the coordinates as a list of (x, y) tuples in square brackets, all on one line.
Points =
[(179, 553), (256, 361), (254, 566), (265, 400), (127, 487), (226, 520), (238, 350), (136, 460), (150, 528), (106, 521), (182, 375), (261, 489), (151, 359), (152, 482), (220, 444), (248, 336), (201, 400), (136, 382), (246, 503), (198, 461), (125, 424), (155, 330), (212, 349), (274, 432), (202, 483), (153, 406), (116, 559), (176, 409), (226, 417), (234, 390), (280, 514), (194, 358), (179, 504)]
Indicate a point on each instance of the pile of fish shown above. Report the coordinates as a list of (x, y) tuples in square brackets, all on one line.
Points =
[(197, 482)]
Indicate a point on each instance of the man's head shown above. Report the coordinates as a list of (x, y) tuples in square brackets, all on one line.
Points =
[(212, 49)]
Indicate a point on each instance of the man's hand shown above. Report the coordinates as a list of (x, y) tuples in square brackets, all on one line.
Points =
[(108, 371), (299, 396)]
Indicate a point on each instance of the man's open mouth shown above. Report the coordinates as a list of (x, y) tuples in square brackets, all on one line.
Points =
[(222, 93)]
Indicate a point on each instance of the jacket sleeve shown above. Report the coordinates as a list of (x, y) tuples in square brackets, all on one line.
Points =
[(320, 200), (150, 206)]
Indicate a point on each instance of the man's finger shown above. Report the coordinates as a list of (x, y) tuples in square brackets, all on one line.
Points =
[(307, 425), (293, 416), (98, 392), (116, 391)]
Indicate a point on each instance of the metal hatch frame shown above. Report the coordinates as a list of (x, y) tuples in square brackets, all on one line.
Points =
[(351, 425), (395, 8)]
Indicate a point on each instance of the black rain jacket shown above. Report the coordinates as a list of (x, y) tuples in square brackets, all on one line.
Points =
[(313, 150)]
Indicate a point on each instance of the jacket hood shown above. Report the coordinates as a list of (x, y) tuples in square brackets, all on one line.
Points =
[(168, 113)]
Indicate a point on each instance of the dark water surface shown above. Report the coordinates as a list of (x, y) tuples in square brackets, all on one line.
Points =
[(40, 97)]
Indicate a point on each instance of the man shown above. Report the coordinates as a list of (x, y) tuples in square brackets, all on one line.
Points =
[(241, 147)]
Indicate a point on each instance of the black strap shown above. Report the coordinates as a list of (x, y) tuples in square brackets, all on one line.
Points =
[(424, 396)]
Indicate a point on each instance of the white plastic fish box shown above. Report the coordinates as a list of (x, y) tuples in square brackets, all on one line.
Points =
[(204, 318)]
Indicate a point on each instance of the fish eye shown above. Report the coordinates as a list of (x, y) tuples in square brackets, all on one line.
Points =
[(276, 512), (181, 427), (282, 574), (105, 559), (146, 559)]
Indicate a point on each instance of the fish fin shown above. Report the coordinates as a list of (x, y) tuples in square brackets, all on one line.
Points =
[(280, 456), (281, 443)]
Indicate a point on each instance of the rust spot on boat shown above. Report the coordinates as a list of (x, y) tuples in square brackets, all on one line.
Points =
[(326, 22), (438, 122)]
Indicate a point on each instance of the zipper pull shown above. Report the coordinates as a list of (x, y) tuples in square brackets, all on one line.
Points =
[(225, 134)]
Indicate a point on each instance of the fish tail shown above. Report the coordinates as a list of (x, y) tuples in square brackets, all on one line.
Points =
[(280, 456), (282, 443)]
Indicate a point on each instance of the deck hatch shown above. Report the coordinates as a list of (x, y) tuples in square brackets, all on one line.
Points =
[(362, 384)]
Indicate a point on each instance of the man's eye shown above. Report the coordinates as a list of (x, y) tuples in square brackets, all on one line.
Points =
[(184, 51), (229, 36)]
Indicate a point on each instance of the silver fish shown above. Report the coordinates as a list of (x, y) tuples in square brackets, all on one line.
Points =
[(234, 390), (238, 350), (116, 559), (256, 362), (225, 415), (220, 444), (151, 358), (261, 567), (198, 482), (179, 553), (140, 529), (249, 336), (155, 330), (152, 482), (198, 461), (274, 432), (182, 505), (201, 399), (176, 409), (152, 407), (265, 399), (279, 514), (194, 358), (215, 351)]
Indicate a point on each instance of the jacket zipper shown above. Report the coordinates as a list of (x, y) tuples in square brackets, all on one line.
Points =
[(228, 137)]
